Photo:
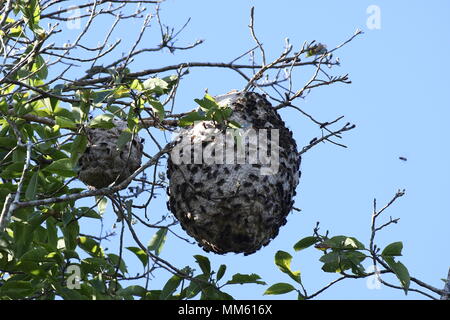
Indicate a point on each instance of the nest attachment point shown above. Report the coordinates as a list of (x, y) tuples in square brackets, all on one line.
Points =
[(234, 207)]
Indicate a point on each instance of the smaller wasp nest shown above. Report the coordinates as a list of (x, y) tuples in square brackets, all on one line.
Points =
[(103, 163), (230, 205)]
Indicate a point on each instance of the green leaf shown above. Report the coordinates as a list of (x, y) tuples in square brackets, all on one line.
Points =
[(171, 80), (192, 290), (66, 123), (141, 254), (102, 203), (279, 288), (95, 265), (153, 295), (283, 261), (133, 290), (30, 193), (124, 137), (62, 167), (91, 246), (300, 296), (212, 293), (8, 142), (305, 243), (16, 289), (157, 107), (52, 232), (87, 212), (117, 111), (239, 278), (155, 85), (195, 287), (70, 294), (353, 243), (221, 272), (393, 249), (170, 287), (103, 121), (70, 233), (40, 67), (67, 217), (343, 242), (233, 124), (100, 96), (338, 261), (207, 103), (31, 12), (190, 118), (78, 147), (36, 254), (13, 170), (204, 264), (69, 254), (62, 112), (157, 241), (115, 260), (136, 85), (14, 31), (400, 271)]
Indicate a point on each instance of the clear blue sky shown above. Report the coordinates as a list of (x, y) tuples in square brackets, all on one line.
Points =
[(399, 100)]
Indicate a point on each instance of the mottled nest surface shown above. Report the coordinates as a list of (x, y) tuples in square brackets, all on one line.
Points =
[(103, 162), (234, 207)]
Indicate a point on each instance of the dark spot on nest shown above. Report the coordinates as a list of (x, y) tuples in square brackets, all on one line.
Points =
[(207, 194), (206, 169), (261, 197), (236, 206), (247, 184), (253, 177), (198, 185), (269, 219), (194, 169), (221, 182)]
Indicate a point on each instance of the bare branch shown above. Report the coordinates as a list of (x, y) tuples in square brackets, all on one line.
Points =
[(252, 31)]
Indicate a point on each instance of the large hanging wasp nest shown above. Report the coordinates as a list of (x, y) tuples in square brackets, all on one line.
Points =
[(103, 162), (234, 206)]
